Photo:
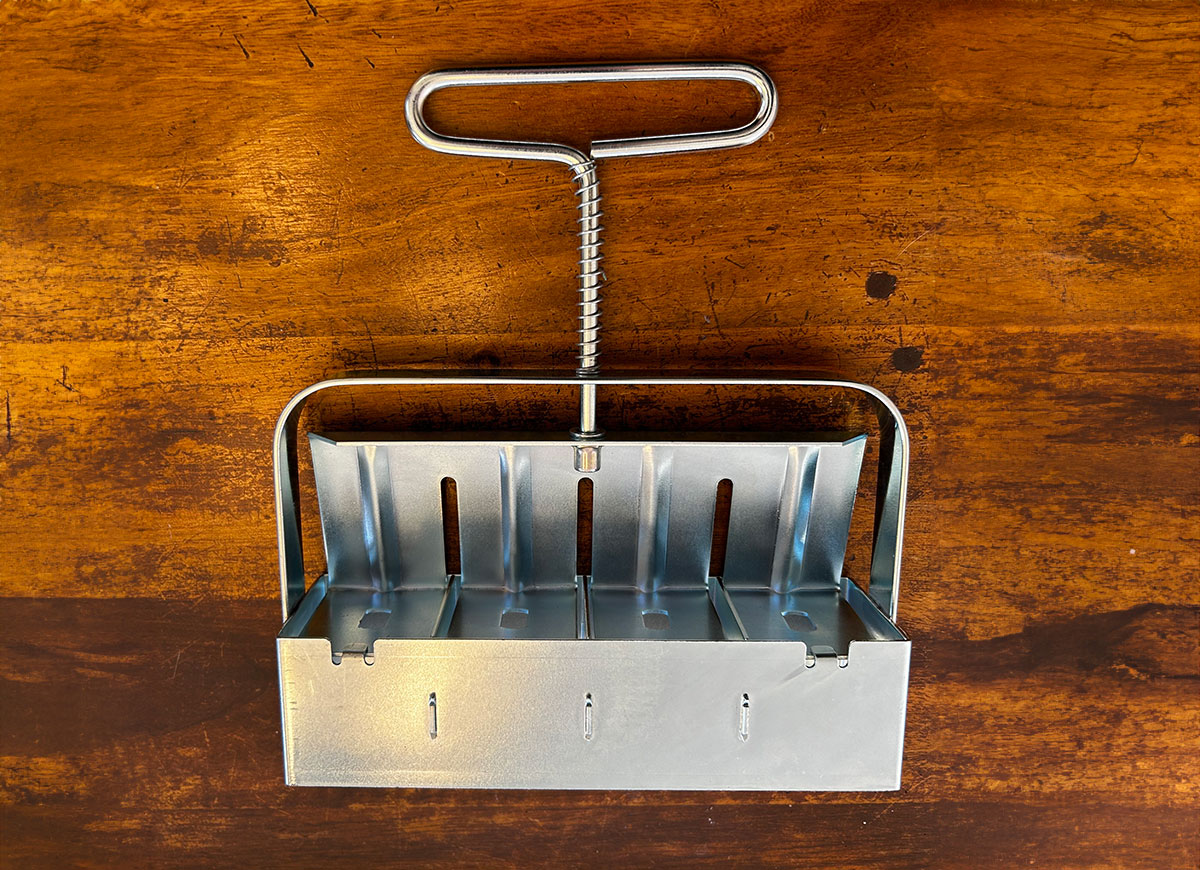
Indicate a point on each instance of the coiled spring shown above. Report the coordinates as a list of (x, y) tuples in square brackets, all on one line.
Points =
[(591, 276)]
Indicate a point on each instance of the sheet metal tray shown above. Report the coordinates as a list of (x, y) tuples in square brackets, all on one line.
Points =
[(510, 669)]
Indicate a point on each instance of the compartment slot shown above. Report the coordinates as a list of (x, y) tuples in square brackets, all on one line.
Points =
[(537, 614), (817, 617), (668, 614)]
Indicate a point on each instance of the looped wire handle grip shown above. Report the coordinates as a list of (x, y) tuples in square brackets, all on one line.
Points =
[(674, 143), (583, 166)]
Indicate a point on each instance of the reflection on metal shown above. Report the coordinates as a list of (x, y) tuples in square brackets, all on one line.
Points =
[(465, 668)]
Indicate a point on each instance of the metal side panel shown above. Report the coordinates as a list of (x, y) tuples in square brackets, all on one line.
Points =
[(339, 495), (834, 488), (695, 471), (415, 488), (381, 514), (623, 528), (597, 714), (768, 488), (547, 519)]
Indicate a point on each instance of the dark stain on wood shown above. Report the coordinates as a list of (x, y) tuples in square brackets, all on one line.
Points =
[(908, 358), (881, 285)]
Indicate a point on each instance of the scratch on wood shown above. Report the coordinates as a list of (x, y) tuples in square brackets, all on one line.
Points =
[(191, 325), (371, 339), (914, 241), (712, 305), (307, 59), (242, 47), (62, 382)]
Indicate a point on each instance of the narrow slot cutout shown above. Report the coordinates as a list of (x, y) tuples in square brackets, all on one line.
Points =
[(720, 529), (583, 529), (450, 526)]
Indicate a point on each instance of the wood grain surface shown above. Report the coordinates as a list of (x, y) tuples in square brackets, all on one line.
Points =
[(989, 210)]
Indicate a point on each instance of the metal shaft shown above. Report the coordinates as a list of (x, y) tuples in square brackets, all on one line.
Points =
[(591, 279)]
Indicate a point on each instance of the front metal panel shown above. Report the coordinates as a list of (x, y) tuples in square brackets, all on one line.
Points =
[(666, 715)]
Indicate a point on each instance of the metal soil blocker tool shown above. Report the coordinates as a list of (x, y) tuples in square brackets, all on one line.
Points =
[(647, 673)]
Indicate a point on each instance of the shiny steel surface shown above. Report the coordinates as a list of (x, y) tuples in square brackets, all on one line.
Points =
[(591, 278), (662, 715), (892, 477), (583, 166), (653, 507), (780, 674), (640, 146)]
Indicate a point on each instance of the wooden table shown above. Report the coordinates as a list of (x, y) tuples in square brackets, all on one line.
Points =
[(987, 210)]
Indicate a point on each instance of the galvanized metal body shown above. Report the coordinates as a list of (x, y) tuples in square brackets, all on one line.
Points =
[(648, 673), (594, 714)]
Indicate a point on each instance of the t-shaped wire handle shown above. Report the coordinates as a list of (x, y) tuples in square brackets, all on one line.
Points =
[(583, 168)]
